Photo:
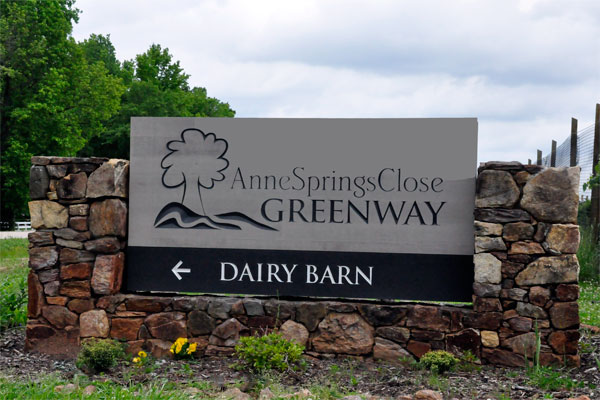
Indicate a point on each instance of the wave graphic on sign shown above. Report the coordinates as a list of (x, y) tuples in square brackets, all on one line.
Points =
[(176, 215)]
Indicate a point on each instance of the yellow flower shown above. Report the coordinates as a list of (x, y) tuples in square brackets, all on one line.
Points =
[(136, 360), (192, 348), (142, 354)]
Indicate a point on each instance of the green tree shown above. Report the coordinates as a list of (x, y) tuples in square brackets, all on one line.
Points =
[(157, 86), (52, 99)]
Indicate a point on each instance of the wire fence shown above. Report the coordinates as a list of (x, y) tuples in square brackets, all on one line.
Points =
[(585, 156)]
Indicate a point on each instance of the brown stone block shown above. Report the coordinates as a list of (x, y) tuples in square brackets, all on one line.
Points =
[(344, 333), (426, 336), (227, 334), (563, 238), (518, 231), (110, 179), (539, 296), (79, 209), (564, 342), (77, 289), (545, 270), (47, 214), (565, 315), (217, 351), (71, 234), (201, 345), (496, 189), (40, 238), (394, 333), (521, 324), (110, 303), (135, 346), (130, 314), (200, 323), (501, 215), (72, 256), (489, 321), (94, 323), (108, 273), (567, 292), (109, 244), (35, 301), (294, 331), (78, 223), (75, 271), (429, 318), (502, 357), (467, 339), (526, 248), (59, 316), (51, 288), (42, 257), (72, 186), (483, 304), (48, 275), (167, 325), (310, 314), (81, 305), (159, 348), (108, 218), (62, 344), (39, 182), (57, 301), (552, 195), (125, 328), (418, 349), (522, 344), (147, 304), (388, 351)]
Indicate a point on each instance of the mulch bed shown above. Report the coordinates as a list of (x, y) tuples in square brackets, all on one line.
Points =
[(375, 378)]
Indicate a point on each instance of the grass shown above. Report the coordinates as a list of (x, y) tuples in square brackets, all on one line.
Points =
[(13, 282), (155, 390), (588, 256), (589, 303)]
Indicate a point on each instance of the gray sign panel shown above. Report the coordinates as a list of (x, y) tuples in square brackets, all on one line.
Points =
[(341, 204)]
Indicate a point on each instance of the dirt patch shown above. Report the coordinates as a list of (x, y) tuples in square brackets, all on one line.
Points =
[(346, 374)]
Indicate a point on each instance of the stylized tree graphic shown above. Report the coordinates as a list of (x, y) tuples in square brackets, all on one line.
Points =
[(195, 159)]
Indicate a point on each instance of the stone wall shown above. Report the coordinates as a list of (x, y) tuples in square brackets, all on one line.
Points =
[(525, 277)]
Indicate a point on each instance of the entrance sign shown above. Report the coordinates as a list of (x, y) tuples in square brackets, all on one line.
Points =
[(357, 208)]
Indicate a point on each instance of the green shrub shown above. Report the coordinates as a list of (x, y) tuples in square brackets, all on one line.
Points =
[(438, 361), (270, 351), (13, 298), (588, 256), (99, 355)]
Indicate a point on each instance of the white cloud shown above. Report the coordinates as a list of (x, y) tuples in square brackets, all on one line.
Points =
[(522, 67)]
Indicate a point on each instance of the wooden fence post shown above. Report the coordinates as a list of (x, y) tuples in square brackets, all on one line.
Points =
[(596, 190), (529, 161), (553, 154), (573, 142), (539, 157)]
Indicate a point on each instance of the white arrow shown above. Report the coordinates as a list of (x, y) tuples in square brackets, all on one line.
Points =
[(176, 270)]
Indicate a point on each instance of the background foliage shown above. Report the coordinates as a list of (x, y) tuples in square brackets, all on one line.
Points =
[(65, 98)]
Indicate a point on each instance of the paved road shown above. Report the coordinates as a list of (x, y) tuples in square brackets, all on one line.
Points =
[(14, 234)]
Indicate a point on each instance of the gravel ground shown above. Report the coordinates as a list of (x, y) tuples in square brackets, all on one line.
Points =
[(378, 379)]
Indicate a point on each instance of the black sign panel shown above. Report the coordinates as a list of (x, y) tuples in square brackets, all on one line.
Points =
[(301, 273)]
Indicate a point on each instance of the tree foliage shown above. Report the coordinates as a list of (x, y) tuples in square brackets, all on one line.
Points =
[(59, 97), (53, 100), (156, 86)]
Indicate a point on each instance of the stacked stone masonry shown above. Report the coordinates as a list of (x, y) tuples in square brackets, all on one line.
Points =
[(525, 279)]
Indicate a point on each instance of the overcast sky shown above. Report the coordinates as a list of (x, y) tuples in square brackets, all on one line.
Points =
[(523, 68)]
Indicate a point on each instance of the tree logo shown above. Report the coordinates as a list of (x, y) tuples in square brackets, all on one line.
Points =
[(197, 161)]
